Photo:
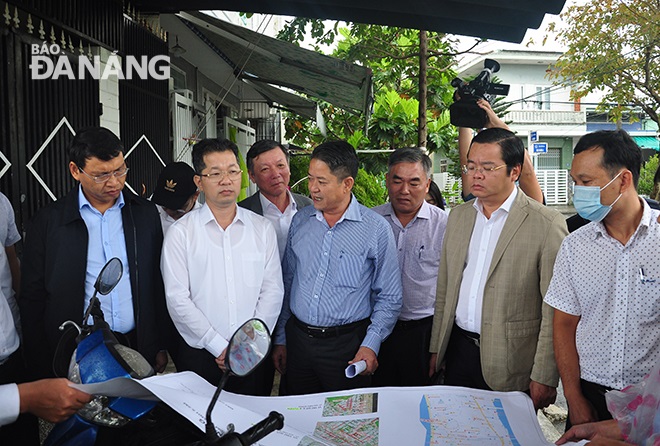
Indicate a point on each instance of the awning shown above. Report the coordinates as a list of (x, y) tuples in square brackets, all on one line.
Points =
[(264, 60), (647, 142), (278, 98), (506, 20)]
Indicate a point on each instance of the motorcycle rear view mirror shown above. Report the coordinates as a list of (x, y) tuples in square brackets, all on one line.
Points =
[(247, 348), (109, 276)]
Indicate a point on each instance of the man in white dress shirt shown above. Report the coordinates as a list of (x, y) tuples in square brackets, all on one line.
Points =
[(221, 266), (606, 283)]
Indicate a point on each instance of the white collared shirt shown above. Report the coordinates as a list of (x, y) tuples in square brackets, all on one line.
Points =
[(483, 241), (166, 221), (9, 236), (601, 280), (280, 220), (216, 279), (10, 407), (9, 340)]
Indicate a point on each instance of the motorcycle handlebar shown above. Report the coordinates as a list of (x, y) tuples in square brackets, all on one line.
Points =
[(274, 421)]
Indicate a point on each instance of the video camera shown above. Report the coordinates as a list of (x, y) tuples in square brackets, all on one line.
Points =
[(465, 112)]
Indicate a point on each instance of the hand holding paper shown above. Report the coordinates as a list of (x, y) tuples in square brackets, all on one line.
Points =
[(355, 369)]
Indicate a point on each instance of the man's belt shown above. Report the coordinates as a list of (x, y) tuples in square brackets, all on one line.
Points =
[(472, 337), (407, 325), (327, 332)]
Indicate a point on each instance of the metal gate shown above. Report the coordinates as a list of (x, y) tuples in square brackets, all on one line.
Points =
[(143, 113), (38, 119)]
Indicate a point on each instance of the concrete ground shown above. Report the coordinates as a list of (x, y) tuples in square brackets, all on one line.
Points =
[(553, 418)]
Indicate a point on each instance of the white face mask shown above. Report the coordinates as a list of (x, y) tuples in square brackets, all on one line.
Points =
[(586, 200)]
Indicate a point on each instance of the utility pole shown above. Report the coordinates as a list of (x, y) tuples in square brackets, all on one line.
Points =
[(422, 131)]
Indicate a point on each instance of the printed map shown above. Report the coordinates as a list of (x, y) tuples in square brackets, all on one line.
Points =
[(355, 404), (465, 420), (349, 433)]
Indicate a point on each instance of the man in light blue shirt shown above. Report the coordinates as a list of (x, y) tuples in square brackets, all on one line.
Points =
[(68, 242), (419, 229), (342, 284)]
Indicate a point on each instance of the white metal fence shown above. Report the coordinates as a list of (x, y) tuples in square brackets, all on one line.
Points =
[(554, 183)]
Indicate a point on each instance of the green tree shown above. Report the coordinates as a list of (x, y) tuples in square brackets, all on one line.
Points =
[(394, 55), (646, 183), (613, 47), (369, 189)]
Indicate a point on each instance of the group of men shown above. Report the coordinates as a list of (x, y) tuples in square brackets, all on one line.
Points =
[(493, 295)]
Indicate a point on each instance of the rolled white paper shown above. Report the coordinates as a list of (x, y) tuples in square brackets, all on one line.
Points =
[(355, 369)]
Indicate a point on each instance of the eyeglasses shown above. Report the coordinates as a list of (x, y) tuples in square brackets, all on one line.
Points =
[(471, 169), (106, 176), (232, 174)]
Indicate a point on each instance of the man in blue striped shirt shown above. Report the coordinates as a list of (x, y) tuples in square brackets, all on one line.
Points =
[(342, 284)]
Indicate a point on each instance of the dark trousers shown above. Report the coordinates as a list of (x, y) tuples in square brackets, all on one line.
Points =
[(463, 361), (595, 394), (404, 357), (200, 361), (318, 364), (25, 430)]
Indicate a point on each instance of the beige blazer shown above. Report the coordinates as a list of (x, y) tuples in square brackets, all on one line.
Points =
[(516, 326)]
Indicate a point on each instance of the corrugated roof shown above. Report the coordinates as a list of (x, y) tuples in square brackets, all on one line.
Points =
[(647, 142), (265, 60)]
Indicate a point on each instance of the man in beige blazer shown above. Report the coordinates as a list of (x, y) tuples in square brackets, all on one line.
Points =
[(491, 329)]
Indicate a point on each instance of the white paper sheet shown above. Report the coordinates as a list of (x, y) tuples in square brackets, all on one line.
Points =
[(354, 370), (385, 416)]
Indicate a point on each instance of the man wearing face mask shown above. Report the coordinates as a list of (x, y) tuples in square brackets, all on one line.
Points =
[(606, 282)]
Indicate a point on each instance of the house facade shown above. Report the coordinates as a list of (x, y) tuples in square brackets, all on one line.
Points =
[(540, 112)]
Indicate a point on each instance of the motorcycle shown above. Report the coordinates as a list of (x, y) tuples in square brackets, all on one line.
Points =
[(248, 347), (98, 357)]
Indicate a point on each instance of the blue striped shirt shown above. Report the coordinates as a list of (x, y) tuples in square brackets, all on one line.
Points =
[(339, 275)]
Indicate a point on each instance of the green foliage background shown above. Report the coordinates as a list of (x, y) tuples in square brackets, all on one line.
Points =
[(613, 48), (369, 189), (393, 55), (645, 185)]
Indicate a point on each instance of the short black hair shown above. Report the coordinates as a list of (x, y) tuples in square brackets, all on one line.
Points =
[(210, 145), (94, 142), (619, 151), (340, 157), (512, 148), (260, 147), (411, 155)]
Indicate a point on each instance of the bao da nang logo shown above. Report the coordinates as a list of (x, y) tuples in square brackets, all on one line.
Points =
[(50, 62)]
